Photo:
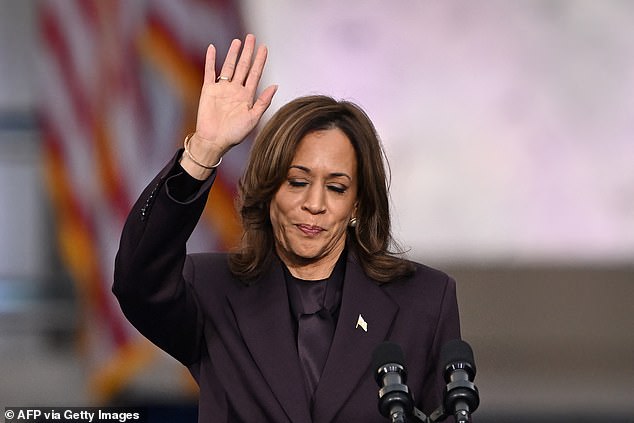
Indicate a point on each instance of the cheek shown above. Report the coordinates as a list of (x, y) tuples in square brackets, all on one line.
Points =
[(278, 212), (282, 204), (274, 216), (347, 210), (342, 220)]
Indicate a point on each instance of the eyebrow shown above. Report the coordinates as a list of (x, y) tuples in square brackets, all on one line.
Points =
[(331, 175)]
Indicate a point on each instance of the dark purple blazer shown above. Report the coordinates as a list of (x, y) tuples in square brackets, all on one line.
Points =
[(238, 340)]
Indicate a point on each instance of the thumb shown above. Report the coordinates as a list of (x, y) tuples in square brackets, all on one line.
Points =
[(264, 100)]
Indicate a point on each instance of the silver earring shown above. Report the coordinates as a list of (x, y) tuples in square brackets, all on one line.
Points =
[(353, 222)]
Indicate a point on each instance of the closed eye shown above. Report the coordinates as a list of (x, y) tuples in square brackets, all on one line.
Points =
[(338, 189), (297, 183)]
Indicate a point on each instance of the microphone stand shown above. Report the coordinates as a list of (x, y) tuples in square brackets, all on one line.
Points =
[(462, 393), (418, 416), (438, 415)]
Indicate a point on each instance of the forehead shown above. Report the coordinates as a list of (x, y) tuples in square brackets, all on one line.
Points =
[(328, 149)]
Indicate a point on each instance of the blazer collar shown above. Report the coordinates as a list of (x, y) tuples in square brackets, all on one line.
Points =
[(263, 316), (365, 320)]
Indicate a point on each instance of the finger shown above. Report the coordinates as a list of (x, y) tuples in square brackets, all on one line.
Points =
[(229, 64), (264, 100), (257, 68), (210, 65), (245, 59)]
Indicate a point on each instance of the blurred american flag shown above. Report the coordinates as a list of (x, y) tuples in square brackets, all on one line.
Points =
[(119, 90)]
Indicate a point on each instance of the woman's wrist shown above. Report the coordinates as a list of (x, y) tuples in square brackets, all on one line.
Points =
[(199, 162)]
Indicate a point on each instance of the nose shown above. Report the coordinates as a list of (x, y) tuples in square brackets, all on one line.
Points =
[(315, 201)]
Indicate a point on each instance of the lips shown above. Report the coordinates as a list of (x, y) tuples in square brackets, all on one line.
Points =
[(310, 230)]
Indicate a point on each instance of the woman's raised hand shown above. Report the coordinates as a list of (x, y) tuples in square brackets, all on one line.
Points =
[(228, 108)]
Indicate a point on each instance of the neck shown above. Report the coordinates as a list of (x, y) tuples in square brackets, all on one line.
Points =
[(310, 269)]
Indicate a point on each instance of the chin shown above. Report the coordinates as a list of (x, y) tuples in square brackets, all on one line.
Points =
[(308, 252), (305, 254)]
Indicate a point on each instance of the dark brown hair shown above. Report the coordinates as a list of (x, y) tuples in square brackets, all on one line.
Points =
[(271, 155)]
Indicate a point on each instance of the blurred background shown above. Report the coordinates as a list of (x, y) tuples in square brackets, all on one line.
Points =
[(509, 127)]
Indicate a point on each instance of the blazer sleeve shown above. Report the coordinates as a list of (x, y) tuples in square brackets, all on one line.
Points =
[(148, 273)]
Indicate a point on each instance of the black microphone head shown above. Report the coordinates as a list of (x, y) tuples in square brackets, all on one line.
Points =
[(388, 364), (387, 353), (458, 354)]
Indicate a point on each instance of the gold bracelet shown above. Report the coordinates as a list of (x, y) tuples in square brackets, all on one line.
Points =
[(193, 159)]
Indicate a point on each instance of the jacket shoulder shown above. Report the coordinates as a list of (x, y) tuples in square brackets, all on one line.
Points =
[(426, 283), (424, 274)]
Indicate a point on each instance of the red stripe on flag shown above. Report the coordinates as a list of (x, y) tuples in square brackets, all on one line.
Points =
[(74, 223)]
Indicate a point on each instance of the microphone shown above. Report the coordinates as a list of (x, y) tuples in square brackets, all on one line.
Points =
[(395, 400), (461, 397)]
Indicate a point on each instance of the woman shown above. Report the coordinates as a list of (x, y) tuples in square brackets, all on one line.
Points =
[(283, 329)]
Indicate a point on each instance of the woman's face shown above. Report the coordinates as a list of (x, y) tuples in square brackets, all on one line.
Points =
[(311, 210)]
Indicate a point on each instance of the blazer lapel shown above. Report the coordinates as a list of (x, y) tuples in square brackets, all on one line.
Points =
[(263, 316), (365, 320)]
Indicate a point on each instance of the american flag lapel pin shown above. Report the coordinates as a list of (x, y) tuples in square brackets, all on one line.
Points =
[(361, 323)]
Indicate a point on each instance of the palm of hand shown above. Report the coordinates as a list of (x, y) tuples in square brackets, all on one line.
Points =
[(225, 113), (228, 108)]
